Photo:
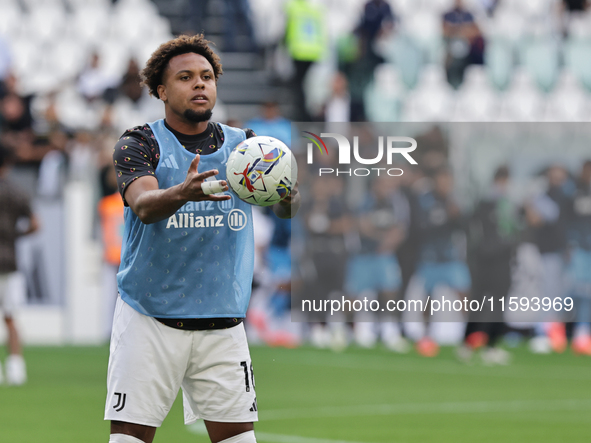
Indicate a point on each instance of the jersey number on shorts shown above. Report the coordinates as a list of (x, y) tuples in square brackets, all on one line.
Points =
[(246, 380)]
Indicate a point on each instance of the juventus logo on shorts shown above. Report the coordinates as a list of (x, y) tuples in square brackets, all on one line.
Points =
[(120, 401)]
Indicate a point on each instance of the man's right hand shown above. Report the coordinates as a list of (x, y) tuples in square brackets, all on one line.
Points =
[(191, 188), (152, 204)]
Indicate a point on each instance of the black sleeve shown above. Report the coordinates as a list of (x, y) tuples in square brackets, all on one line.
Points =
[(249, 133), (135, 155)]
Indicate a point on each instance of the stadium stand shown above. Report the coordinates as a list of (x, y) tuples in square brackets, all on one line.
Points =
[(537, 65)]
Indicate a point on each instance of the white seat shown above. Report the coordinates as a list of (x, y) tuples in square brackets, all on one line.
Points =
[(40, 82), (90, 23), (512, 6), (268, 21), (540, 57), (423, 25), (136, 6), (577, 57), (114, 56), (11, 20), (44, 22), (507, 25), (477, 101), (127, 114), (78, 4), (499, 60), (536, 8), (522, 102), (438, 6), (405, 7), (580, 25), (478, 7), (24, 55), (31, 5), (406, 54), (383, 98), (433, 99), (568, 102), (143, 50), (67, 58), (426, 29), (120, 29), (317, 85), (74, 112)]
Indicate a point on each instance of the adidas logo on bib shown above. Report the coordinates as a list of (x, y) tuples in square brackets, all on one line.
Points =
[(170, 163)]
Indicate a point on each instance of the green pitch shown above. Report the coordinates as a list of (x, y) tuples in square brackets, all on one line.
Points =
[(314, 396)]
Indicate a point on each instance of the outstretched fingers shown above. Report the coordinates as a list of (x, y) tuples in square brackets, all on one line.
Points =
[(194, 164), (215, 197), (206, 174)]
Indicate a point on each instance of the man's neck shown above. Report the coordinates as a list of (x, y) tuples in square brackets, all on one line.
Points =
[(185, 127)]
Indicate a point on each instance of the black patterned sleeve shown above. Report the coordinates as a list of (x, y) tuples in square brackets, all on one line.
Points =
[(135, 155), (249, 133)]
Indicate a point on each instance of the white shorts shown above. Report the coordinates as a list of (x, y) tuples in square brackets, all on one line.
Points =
[(150, 362), (7, 293)]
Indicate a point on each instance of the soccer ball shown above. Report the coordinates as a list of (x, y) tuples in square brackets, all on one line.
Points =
[(261, 171)]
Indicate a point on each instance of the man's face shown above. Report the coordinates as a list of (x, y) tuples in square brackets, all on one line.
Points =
[(556, 176), (189, 89)]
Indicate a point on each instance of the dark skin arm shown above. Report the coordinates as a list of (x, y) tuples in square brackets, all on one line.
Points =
[(290, 205), (152, 204)]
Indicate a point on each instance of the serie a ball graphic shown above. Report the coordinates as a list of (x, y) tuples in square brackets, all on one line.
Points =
[(261, 171)]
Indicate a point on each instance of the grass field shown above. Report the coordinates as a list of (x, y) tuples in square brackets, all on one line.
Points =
[(314, 396)]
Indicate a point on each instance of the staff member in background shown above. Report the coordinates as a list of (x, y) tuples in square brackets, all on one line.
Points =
[(15, 206), (110, 209)]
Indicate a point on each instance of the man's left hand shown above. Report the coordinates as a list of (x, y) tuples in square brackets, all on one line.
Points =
[(289, 206)]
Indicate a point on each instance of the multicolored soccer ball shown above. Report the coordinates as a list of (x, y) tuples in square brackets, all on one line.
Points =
[(261, 171)]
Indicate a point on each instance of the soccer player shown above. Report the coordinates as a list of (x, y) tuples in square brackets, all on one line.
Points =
[(14, 207), (186, 262), (547, 215), (383, 221), (442, 251), (579, 239), (495, 231)]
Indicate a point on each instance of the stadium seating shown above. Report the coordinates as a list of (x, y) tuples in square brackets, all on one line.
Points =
[(51, 41)]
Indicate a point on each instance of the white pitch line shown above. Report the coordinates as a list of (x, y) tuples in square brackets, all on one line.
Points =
[(427, 408), (199, 428), (400, 363), (400, 409)]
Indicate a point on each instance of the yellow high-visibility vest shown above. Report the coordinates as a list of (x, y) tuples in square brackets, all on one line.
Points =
[(305, 33)]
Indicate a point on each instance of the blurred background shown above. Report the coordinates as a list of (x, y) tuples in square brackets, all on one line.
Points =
[(69, 87)]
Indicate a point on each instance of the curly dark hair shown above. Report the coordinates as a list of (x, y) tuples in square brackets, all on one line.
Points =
[(152, 74)]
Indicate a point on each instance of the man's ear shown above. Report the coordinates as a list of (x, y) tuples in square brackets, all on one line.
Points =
[(161, 92)]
